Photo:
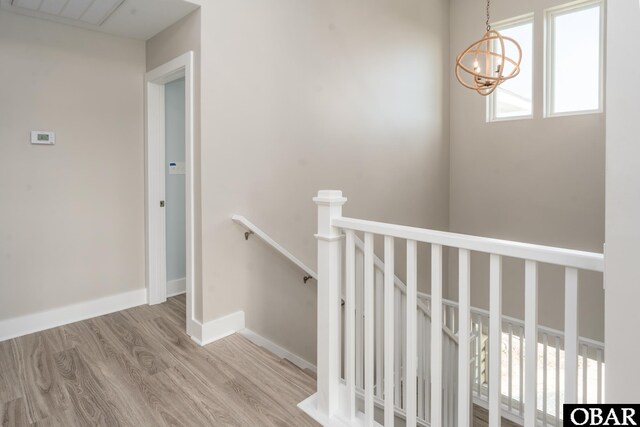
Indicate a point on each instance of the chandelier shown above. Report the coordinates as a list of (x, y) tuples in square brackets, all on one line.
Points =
[(483, 66)]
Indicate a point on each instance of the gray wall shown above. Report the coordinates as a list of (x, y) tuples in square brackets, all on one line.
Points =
[(175, 184), (537, 180), (302, 96), (623, 203), (71, 215), (182, 37)]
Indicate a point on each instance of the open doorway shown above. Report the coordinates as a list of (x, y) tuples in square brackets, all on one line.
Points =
[(169, 182), (174, 185)]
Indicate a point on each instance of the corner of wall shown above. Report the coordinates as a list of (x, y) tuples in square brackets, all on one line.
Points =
[(214, 330)]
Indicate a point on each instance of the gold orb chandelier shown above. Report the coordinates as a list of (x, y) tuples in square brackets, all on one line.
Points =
[(484, 65)]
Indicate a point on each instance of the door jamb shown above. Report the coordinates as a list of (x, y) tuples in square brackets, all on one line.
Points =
[(155, 80)]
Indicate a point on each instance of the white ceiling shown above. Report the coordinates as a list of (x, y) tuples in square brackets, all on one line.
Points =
[(138, 19)]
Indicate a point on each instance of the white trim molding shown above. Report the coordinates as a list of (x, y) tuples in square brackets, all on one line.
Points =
[(36, 322), (181, 66), (176, 287), (310, 407), (214, 330), (549, 55), (277, 350)]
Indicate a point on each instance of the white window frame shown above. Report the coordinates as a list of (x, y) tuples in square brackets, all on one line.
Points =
[(491, 102), (549, 78)]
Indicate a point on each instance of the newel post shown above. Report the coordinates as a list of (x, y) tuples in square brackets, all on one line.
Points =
[(329, 276)]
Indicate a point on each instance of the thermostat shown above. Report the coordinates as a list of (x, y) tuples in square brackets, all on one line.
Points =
[(43, 137)]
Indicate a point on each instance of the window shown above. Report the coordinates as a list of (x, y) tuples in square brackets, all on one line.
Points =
[(514, 98), (574, 59)]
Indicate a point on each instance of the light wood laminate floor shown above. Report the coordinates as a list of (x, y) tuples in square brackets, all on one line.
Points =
[(138, 368)]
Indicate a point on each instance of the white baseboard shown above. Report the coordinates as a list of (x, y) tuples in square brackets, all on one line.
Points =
[(30, 323), (206, 333), (277, 350), (310, 407), (176, 287)]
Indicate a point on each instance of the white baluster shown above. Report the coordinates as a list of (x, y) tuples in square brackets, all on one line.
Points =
[(453, 319), (451, 382), (350, 326), (329, 274), (585, 367), (379, 307), (476, 358), (545, 383), (420, 400), (571, 336), (389, 337), (397, 347), (360, 319), (403, 348), (411, 349), (368, 330), (479, 351), (510, 366), (557, 381), (531, 339), (427, 368), (464, 343), (436, 335), (599, 359), (495, 340), (444, 315), (446, 358), (521, 371)]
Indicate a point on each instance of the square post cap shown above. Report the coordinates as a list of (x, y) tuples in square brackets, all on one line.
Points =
[(330, 198)]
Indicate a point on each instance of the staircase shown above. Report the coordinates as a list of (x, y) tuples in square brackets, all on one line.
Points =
[(393, 353)]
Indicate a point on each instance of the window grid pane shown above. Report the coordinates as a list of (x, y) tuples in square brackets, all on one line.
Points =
[(513, 98), (575, 61)]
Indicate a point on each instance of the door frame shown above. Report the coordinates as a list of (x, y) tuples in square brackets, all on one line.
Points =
[(156, 269)]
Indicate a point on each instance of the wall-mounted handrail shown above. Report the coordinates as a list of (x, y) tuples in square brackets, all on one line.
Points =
[(253, 229)]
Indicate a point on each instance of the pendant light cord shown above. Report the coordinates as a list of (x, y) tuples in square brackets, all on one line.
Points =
[(488, 24)]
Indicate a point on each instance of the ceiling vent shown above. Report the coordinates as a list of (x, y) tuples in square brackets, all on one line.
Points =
[(94, 12)]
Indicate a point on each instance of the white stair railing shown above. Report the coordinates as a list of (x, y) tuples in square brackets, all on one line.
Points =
[(551, 370), (399, 295), (335, 402)]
